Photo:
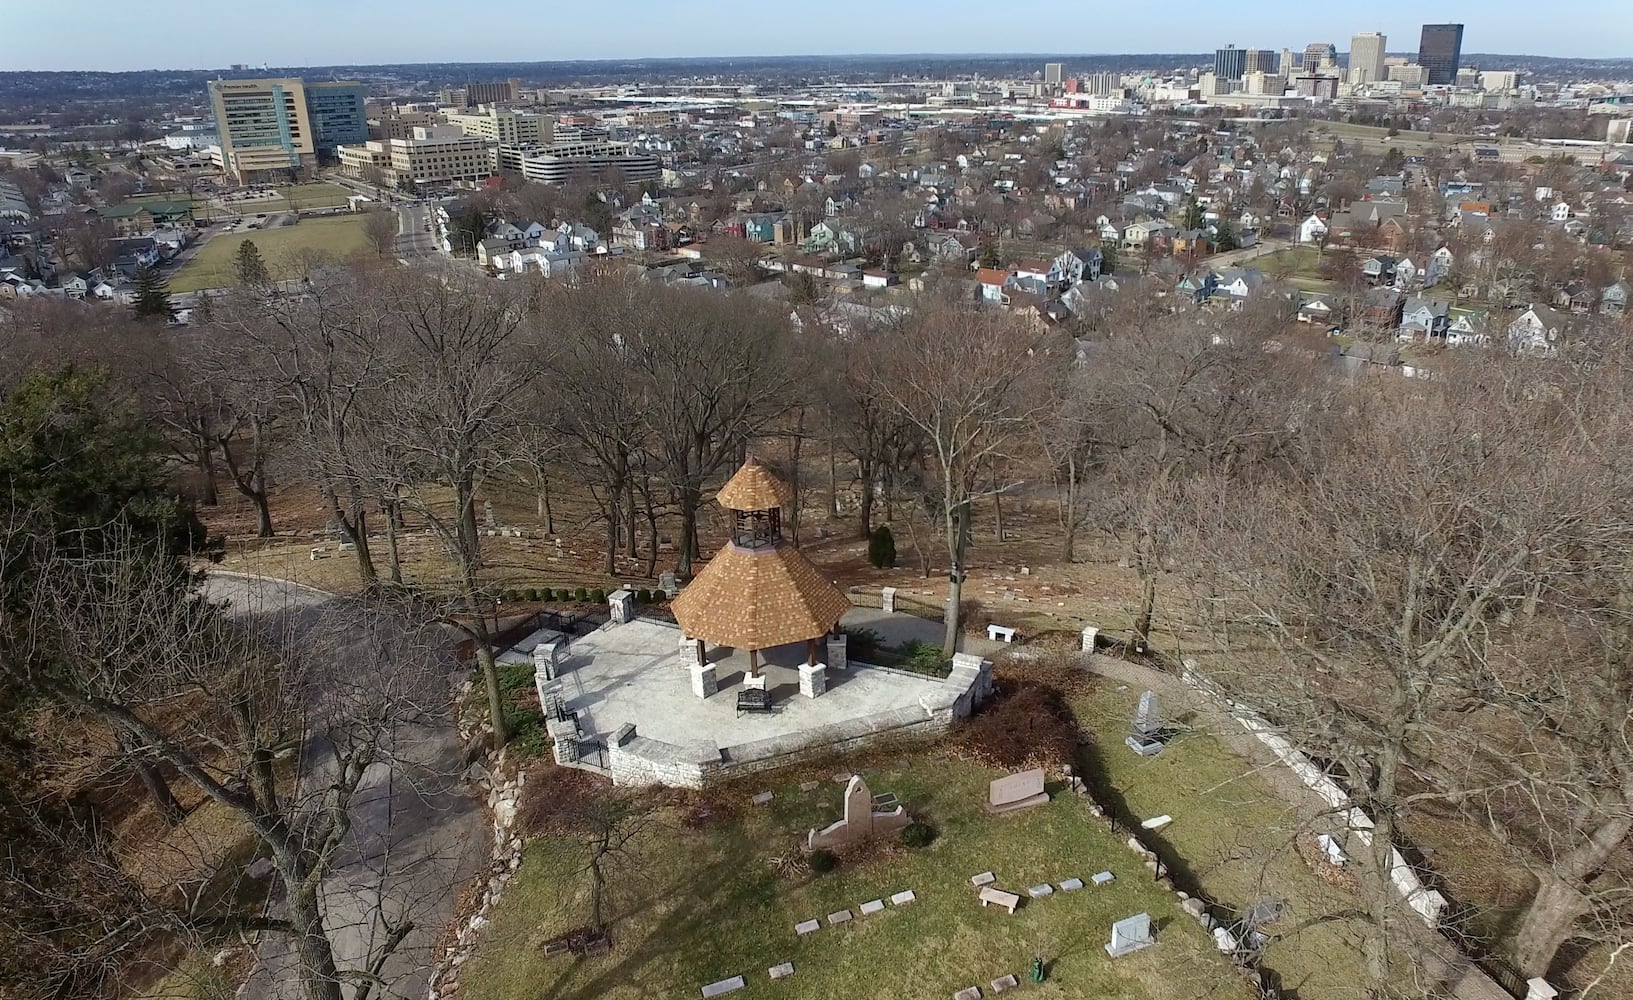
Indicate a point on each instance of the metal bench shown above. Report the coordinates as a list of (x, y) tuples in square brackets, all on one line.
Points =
[(754, 700)]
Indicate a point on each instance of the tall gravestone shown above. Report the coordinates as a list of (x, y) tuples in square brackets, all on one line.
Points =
[(1146, 736), (1130, 935)]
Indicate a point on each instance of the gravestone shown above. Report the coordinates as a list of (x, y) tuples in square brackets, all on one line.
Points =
[(859, 821), (1040, 891), (666, 580), (621, 603), (872, 906), (1021, 790), (842, 917), (1102, 878), (782, 971), (1146, 737), (488, 520), (1090, 635), (887, 600), (968, 993), (725, 986), (805, 927), (902, 898), (838, 657), (1130, 935), (1003, 983), (985, 878), (1071, 885)]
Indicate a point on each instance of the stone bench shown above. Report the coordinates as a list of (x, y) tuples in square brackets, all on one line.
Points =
[(998, 897), (1000, 633)]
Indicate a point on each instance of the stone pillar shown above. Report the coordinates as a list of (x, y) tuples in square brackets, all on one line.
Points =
[(547, 659), (837, 657), (704, 683), (622, 604), (691, 652), (565, 734), (813, 680), (1539, 989), (1090, 633), (887, 600)]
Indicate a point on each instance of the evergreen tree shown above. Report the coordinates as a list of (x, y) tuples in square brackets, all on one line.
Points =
[(989, 254), (152, 295), (248, 266), (833, 130), (882, 548), (1225, 239), (1193, 215), (1108, 256)]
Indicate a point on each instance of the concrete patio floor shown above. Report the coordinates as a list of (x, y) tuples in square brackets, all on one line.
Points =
[(635, 673)]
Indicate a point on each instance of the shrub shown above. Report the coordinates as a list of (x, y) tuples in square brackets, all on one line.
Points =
[(918, 835), (862, 643), (533, 593), (581, 594), (822, 862), (882, 548), (598, 596), (922, 657)]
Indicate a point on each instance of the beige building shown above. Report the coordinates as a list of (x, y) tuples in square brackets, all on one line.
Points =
[(264, 127), (1366, 58), (504, 125), (440, 155), (394, 123)]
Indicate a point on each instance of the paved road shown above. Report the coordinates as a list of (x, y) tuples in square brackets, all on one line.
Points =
[(1246, 256), (418, 836), (413, 239)]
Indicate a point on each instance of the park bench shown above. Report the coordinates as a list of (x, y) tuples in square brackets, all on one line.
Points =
[(753, 700), (998, 897)]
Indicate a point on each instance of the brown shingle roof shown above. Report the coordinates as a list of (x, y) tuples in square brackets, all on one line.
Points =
[(754, 488), (758, 599)]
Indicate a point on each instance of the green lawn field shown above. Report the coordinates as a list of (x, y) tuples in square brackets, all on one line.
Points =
[(283, 249)]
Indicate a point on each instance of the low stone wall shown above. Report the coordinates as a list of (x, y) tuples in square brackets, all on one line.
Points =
[(637, 760)]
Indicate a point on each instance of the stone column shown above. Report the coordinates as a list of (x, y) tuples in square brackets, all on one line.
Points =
[(1090, 633), (887, 600), (691, 652), (813, 680), (622, 605), (704, 683), (837, 655)]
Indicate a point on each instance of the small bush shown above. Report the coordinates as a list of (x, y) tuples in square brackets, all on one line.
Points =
[(882, 548), (918, 835), (598, 596), (533, 593), (822, 862), (581, 594), (922, 657), (862, 643), (644, 596)]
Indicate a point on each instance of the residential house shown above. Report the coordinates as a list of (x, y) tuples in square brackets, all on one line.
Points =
[(992, 281), (1406, 274), (1613, 298), (1379, 269), (1141, 233), (1235, 285), (1559, 211), (956, 246), (1424, 318), (1468, 328), (79, 284), (1197, 285), (133, 218), (1439, 265), (1080, 265), (1536, 329), (1381, 308), (1319, 310), (1312, 230)]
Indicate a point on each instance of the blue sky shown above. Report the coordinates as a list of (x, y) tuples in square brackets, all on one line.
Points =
[(194, 34)]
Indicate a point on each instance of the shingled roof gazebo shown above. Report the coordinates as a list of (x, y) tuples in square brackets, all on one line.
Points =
[(758, 591)]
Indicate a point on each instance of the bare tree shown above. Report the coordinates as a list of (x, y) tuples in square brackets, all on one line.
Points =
[(380, 227)]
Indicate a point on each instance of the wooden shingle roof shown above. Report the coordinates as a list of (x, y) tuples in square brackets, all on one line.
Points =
[(757, 599), (754, 488)]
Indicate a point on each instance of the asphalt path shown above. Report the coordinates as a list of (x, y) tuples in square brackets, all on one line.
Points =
[(418, 834)]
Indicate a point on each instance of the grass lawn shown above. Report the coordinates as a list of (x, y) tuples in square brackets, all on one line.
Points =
[(1235, 834), (708, 907), (337, 236), (316, 194)]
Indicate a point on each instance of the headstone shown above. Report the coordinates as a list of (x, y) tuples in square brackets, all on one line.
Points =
[(887, 600), (1040, 891), (1145, 738), (809, 786), (842, 917), (838, 657), (1329, 846), (1129, 935), (902, 898), (885, 801), (1157, 822), (1538, 988), (968, 993), (725, 986), (1071, 885), (782, 971), (860, 820), (1003, 983), (1000, 633), (762, 798), (621, 603), (666, 581), (1017, 791), (1102, 878), (1090, 635), (813, 679), (872, 906), (805, 927), (488, 520), (985, 878)]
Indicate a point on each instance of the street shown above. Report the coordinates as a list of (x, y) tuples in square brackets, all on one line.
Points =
[(418, 835), (413, 239)]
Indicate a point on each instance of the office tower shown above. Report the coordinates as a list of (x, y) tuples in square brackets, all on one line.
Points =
[(1290, 65), (1053, 74), (1103, 84), (1317, 53), (336, 109), (490, 93), (1410, 75), (1229, 63), (506, 126), (265, 127), (1259, 61), (1366, 58), (1439, 51)]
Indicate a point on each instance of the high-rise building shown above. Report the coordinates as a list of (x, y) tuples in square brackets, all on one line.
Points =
[(1440, 50), (336, 108), (1259, 61), (1229, 63), (1366, 58), (1410, 75), (1317, 54), (1290, 64), (1103, 84), (506, 126), (1053, 74), (265, 128)]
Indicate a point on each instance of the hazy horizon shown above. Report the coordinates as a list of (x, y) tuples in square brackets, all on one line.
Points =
[(183, 35)]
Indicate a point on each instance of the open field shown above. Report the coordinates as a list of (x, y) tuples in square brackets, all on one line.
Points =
[(705, 906), (1301, 264), (317, 194), (337, 237)]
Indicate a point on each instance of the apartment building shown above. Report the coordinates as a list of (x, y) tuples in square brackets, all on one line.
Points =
[(435, 156), (505, 126)]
